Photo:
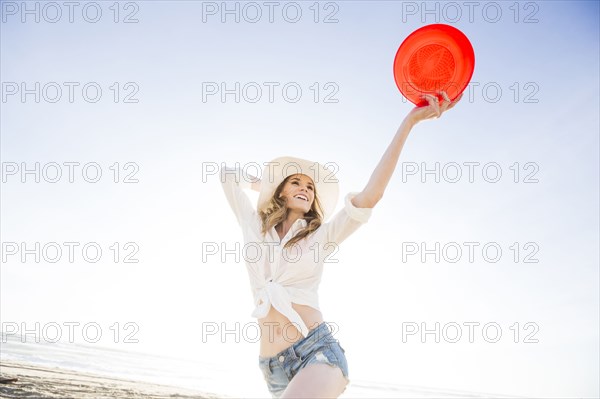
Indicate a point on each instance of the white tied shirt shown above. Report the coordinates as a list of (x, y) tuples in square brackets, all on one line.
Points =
[(281, 276)]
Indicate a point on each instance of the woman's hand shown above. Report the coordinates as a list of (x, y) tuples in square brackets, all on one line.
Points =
[(255, 183), (434, 109)]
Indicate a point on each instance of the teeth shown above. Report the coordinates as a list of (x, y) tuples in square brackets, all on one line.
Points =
[(302, 197)]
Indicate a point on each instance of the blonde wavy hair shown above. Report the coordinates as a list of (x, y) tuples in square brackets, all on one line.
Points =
[(276, 212)]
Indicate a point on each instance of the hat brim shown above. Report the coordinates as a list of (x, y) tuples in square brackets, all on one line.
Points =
[(326, 183), (436, 57)]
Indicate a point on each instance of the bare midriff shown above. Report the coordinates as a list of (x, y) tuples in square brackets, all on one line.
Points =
[(278, 333)]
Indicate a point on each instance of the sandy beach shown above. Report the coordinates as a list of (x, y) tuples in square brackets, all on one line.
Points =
[(44, 382)]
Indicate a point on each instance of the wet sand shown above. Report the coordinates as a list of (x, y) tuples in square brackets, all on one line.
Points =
[(38, 382)]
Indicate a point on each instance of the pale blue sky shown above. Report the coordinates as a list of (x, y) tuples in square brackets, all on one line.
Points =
[(170, 132)]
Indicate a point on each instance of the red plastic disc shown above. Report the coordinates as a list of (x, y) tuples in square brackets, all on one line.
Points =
[(432, 58)]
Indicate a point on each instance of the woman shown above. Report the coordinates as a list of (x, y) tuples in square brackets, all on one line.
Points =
[(286, 244)]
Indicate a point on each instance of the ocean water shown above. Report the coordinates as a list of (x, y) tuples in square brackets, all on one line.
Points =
[(196, 374)]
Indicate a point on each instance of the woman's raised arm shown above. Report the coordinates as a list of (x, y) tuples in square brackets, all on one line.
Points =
[(255, 183), (373, 191)]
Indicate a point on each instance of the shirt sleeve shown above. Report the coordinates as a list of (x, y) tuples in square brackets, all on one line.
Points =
[(233, 185), (347, 220)]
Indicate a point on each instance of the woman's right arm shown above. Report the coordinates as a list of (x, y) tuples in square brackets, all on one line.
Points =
[(255, 183), (233, 184)]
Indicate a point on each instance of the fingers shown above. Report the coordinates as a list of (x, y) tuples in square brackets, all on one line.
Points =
[(448, 104), (434, 109), (433, 103), (431, 99), (445, 95), (455, 101)]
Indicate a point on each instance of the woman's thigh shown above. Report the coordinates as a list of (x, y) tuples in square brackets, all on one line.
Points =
[(316, 380)]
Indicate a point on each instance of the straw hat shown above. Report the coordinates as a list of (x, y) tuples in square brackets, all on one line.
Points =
[(326, 183)]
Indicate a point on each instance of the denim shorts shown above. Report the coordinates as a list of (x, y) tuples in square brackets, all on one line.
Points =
[(319, 346)]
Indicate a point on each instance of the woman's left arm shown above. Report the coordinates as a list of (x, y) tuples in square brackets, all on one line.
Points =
[(373, 191)]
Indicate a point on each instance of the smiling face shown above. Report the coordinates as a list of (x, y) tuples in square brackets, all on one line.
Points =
[(299, 192)]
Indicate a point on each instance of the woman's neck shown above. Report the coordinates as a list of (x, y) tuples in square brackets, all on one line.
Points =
[(283, 227)]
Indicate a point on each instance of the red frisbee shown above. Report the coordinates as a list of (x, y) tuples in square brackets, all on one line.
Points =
[(433, 58)]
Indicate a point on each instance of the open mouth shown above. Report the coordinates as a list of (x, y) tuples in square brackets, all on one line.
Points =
[(302, 197)]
